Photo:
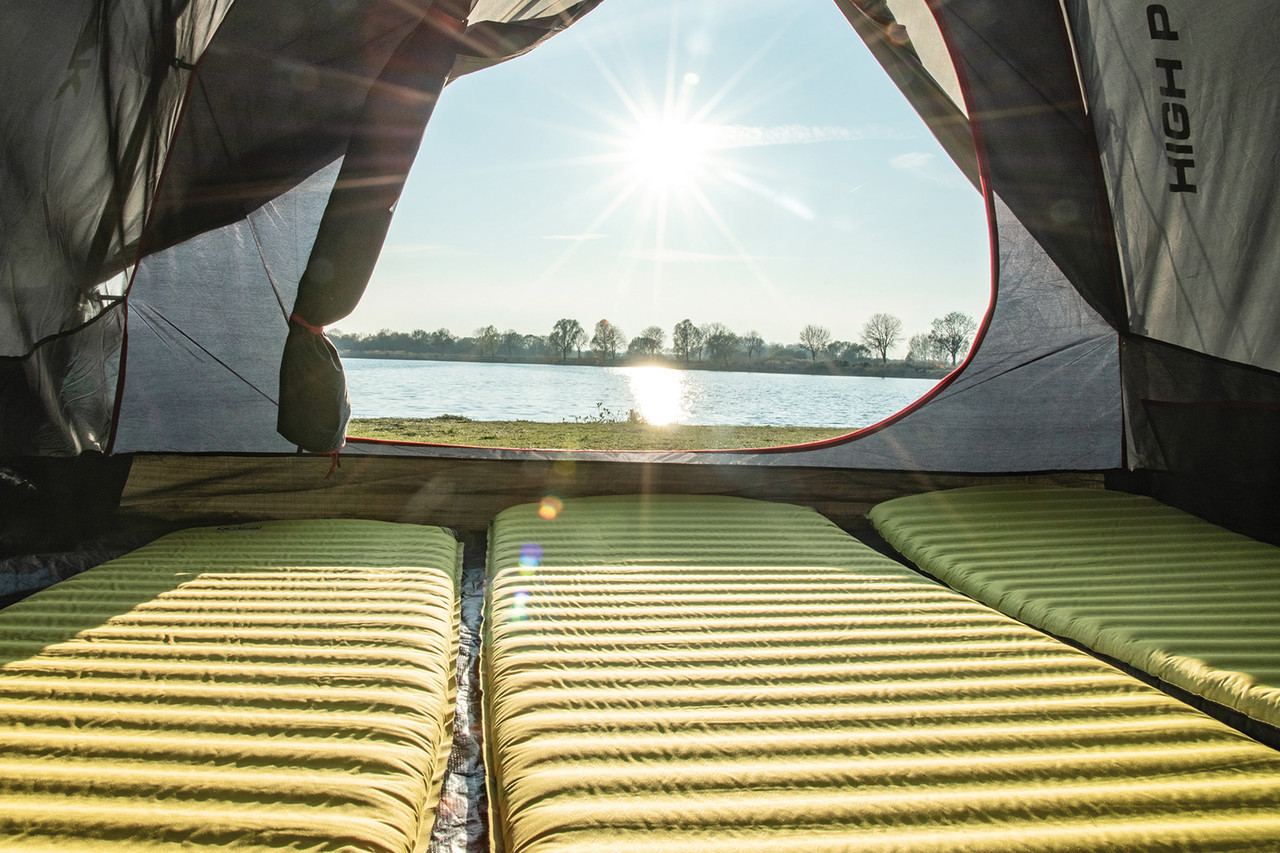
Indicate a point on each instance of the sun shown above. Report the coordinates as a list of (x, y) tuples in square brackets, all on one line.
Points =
[(669, 151)]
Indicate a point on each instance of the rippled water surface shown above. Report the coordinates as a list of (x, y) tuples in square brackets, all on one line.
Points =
[(553, 393)]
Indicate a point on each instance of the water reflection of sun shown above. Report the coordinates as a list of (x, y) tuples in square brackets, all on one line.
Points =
[(657, 392)]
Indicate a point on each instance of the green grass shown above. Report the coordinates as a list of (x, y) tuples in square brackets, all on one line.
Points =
[(590, 435)]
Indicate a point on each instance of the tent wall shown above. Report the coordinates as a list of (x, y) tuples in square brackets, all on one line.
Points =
[(1019, 78), (1186, 99), (88, 109), (1186, 105), (196, 382), (58, 400)]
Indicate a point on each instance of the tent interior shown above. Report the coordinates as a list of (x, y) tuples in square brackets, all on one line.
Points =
[(200, 188), (192, 190)]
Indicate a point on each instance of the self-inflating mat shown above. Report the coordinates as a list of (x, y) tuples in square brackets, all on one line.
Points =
[(283, 686), (716, 674), (1168, 593)]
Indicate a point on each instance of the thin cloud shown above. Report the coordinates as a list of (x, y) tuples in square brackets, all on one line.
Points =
[(678, 256), (574, 236), (912, 161), (925, 166), (401, 249), (746, 136)]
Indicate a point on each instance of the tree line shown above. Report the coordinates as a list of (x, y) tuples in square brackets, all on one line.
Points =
[(948, 339)]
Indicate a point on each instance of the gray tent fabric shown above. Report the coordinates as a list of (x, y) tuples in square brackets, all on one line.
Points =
[(1186, 105), (1187, 97), (194, 382), (1039, 393), (59, 399), (133, 128), (86, 113)]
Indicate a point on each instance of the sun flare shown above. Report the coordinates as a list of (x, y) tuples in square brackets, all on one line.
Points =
[(669, 151)]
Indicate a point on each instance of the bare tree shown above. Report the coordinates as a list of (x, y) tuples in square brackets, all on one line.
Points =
[(921, 349), (607, 340), (722, 344), (686, 340), (487, 339), (565, 337), (752, 343), (953, 334), (881, 333), (815, 338)]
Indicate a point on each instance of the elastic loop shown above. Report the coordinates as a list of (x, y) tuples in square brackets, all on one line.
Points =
[(303, 324), (450, 23)]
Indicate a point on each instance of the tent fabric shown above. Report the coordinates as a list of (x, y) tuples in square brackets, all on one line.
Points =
[(238, 103), (1209, 418), (1188, 104), (1184, 100), (1007, 410), (1174, 596), (194, 383), (59, 399), (1019, 78), (86, 110), (283, 685), (666, 673), (313, 394)]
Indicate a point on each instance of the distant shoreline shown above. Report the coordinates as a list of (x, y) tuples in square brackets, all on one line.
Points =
[(885, 370)]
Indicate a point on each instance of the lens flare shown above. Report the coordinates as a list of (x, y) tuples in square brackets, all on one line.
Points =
[(518, 603), (550, 507), (530, 555)]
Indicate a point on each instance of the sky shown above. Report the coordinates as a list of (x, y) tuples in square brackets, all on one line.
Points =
[(745, 162)]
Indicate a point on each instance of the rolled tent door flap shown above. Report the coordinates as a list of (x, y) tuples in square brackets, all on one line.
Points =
[(313, 404), (314, 408)]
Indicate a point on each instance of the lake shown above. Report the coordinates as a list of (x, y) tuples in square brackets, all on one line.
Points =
[(663, 395)]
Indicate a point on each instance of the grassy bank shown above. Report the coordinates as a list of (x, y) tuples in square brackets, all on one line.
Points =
[(592, 435)]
